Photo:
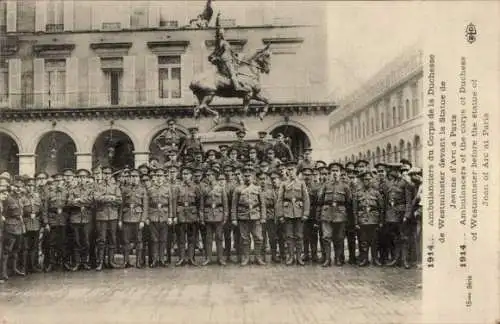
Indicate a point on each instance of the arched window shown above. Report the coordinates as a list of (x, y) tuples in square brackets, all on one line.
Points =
[(402, 149), (409, 152), (389, 153), (407, 106), (384, 157), (394, 117), (377, 157), (400, 113), (396, 155), (382, 121), (417, 147)]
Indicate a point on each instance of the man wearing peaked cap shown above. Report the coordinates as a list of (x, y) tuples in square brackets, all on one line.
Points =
[(281, 149), (240, 144), (311, 232), (307, 161), (262, 145), (192, 143), (5, 178)]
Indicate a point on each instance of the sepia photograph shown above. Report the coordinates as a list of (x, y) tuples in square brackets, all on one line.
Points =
[(216, 161)]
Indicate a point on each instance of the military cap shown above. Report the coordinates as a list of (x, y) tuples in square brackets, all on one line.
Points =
[(405, 161), (84, 172), (125, 172), (306, 171), (270, 149), (171, 167), (197, 170), (193, 129), (107, 169), (284, 160), (50, 180), (241, 132), (415, 170), (143, 166), (282, 166), (172, 151), (159, 171), (228, 168), (336, 164), (197, 152), (319, 163), (186, 168), (26, 177), (211, 152), (262, 133), (252, 149), (4, 189), (394, 166), (380, 164), (41, 174), (365, 174), (261, 175), (223, 147), (264, 164), (349, 165), (361, 162), (68, 172), (145, 177), (292, 163), (18, 180), (274, 174), (134, 173), (279, 135), (221, 176), (170, 121), (308, 149), (5, 176), (233, 149), (248, 169), (58, 175)]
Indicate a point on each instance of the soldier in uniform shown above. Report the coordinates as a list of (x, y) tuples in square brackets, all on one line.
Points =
[(161, 214), (268, 228), (240, 145), (32, 213), (223, 150), (307, 162), (311, 229), (231, 231), (12, 230), (133, 215), (80, 202), (281, 149), (172, 227), (211, 157), (271, 158), (169, 138), (108, 199), (172, 159), (369, 211), (233, 158), (248, 211), (416, 177), (334, 206), (55, 218), (350, 228), (398, 197), (192, 143), (186, 202), (214, 211), (253, 159), (18, 195), (262, 145), (294, 207)]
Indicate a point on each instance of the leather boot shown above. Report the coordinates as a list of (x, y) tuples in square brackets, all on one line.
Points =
[(76, 266), (86, 263), (314, 252), (299, 252), (258, 257), (182, 257), (338, 248), (4, 270), (207, 253), (153, 263), (100, 258), (395, 255), (290, 258), (126, 256), (28, 266), (404, 255), (282, 251), (328, 254), (274, 255), (220, 252), (191, 260), (33, 255), (363, 247), (375, 257), (245, 255), (161, 255), (138, 258), (111, 256), (15, 266)]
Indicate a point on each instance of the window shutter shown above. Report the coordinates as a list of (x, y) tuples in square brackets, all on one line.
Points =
[(129, 80), (68, 15), (11, 16), (97, 93), (72, 81), (15, 83), (153, 14), (40, 15), (152, 79), (39, 82)]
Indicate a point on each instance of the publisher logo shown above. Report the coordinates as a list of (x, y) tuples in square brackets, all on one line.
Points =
[(470, 33)]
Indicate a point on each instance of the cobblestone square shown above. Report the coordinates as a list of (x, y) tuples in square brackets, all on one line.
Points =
[(269, 294)]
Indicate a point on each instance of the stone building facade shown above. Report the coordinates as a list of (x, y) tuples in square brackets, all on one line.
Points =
[(383, 120), (79, 77)]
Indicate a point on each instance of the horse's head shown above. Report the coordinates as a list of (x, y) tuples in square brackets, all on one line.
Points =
[(263, 60)]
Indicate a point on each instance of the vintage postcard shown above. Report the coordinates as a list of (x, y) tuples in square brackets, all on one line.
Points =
[(249, 162)]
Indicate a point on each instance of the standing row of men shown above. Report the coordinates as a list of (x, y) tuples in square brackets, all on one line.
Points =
[(293, 207)]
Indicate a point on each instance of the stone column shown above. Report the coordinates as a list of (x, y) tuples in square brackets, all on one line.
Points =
[(83, 160), (27, 164), (141, 158)]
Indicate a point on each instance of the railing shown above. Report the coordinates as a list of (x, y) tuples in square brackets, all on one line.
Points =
[(135, 98)]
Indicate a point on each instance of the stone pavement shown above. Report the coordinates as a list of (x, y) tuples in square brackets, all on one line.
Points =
[(232, 295)]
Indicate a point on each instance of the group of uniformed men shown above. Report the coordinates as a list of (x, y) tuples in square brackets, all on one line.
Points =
[(239, 194)]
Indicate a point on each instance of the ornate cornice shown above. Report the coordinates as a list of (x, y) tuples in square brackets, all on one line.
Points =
[(111, 49), (153, 112), (161, 47), (53, 50), (9, 45), (283, 45), (104, 46), (237, 44)]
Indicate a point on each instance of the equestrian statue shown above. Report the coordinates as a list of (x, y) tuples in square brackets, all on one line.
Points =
[(235, 77)]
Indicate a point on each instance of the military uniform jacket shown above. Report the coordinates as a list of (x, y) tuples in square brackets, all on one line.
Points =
[(293, 200), (313, 191), (12, 211), (283, 151), (270, 198), (159, 204), (80, 203), (190, 145), (108, 199), (262, 147), (214, 205), (55, 209), (186, 202), (368, 206), (334, 202), (248, 203), (134, 203), (242, 147), (32, 205), (398, 198)]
